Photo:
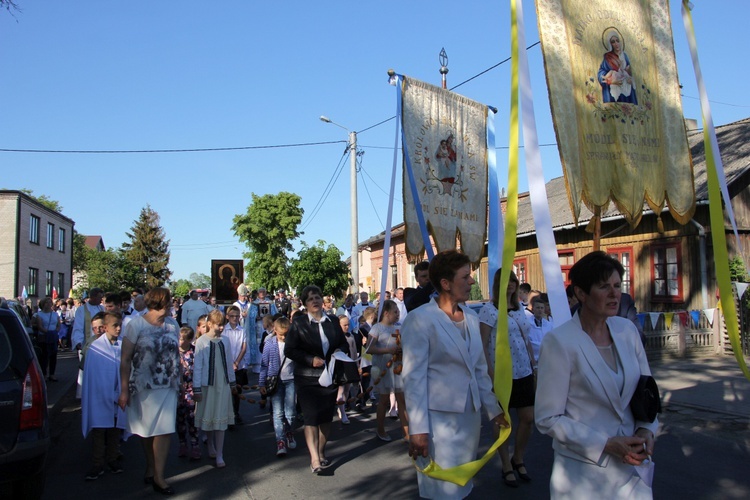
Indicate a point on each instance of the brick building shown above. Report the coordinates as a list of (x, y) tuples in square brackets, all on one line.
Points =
[(36, 248)]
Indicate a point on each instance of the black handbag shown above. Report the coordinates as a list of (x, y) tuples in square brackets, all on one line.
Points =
[(272, 382), (345, 372), (645, 403)]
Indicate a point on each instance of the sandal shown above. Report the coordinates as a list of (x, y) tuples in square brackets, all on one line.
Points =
[(512, 481), (517, 467)]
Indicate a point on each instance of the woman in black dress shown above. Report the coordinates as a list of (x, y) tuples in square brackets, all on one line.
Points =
[(311, 340)]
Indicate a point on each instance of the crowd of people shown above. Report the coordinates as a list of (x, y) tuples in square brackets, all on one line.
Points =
[(153, 365)]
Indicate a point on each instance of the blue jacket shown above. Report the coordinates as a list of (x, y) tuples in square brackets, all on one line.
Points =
[(270, 363)]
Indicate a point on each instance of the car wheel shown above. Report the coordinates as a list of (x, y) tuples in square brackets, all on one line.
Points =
[(30, 487)]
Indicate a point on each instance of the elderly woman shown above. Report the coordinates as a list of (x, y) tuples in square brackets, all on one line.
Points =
[(524, 366), (445, 376), (150, 381), (589, 368), (312, 339)]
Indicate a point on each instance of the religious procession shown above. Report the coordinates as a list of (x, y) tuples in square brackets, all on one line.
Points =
[(495, 343)]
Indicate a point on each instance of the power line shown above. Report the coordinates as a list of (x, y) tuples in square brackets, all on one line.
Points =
[(378, 186), (367, 190), (191, 150), (327, 191)]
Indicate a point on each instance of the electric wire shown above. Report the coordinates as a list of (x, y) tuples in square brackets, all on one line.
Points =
[(327, 191), (378, 186), (189, 150), (367, 190)]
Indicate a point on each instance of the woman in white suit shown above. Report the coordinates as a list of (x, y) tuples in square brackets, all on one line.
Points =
[(588, 371), (445, 376)]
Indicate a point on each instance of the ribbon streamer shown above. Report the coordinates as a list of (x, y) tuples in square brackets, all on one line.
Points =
[(495, 224), (545, 235), (389, 219), (715, 174)]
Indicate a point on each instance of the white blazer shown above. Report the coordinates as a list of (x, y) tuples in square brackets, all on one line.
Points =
[(578, 402), (439, 371)]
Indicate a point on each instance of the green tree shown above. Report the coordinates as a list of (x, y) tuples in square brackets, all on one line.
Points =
[(79, 252), (737, 270), (109, 270), (181, 287), (43, 199), (200, 280), (322, 266), (268, 228), (148, 248)]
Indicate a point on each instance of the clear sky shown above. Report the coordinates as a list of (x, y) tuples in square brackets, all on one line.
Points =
[(145, 75)]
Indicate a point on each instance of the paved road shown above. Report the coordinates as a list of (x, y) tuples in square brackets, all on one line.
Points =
[(702, 451)]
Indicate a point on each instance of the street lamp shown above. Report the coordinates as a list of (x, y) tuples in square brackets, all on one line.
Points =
[(353, 201)]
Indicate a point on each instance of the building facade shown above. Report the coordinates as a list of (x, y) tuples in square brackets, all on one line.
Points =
[(36, 250)]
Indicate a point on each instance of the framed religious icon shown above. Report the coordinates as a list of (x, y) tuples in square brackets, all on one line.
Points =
[(226, 276)]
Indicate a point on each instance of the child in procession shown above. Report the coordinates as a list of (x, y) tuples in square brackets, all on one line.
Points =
[(186, 404), (275, 364), (213, 385)]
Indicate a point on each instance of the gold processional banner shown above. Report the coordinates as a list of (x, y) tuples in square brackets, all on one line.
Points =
[(616, 105), (445, 135)]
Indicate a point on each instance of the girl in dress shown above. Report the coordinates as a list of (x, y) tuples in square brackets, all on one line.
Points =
[(186, 404), (382, 344), (213, 385)]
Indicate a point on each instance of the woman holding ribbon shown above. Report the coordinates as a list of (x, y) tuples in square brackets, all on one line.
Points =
[(446, 383)]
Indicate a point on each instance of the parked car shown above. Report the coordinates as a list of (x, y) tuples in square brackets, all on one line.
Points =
[(24, 421), (20, 311)]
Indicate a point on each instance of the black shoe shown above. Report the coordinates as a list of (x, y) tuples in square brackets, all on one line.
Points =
[(509, 478), (238, 420), (115, 467), (94, 473), (148, 479), (517, 468), (168, 491)]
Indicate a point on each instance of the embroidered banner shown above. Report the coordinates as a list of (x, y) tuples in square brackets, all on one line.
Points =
[(616, 105), (445, 138)]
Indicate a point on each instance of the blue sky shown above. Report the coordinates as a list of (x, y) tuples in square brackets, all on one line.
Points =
[(137, 75)]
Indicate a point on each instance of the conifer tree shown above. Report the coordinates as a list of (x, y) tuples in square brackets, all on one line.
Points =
[(148, 248)]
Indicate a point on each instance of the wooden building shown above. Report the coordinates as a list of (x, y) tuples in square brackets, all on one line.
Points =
[(666, 271)]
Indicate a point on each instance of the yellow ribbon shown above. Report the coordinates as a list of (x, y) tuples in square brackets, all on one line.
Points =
[(461, 474), (718, 236)]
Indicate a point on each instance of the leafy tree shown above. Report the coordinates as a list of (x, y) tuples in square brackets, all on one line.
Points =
[(476, 292), (43, 199), (737, 270), (200, 280), (79, 252), (109, 270), (322, 266), (148, 248), (268, 228), (181, 287)]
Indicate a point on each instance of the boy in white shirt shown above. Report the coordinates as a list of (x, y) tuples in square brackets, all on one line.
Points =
[(238, 341)]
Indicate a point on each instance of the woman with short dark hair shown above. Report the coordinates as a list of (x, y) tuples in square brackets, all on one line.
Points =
[(589, 368), (445, 376), (312, 339)]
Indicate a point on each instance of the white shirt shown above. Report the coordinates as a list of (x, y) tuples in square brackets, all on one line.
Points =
[(192, 310), (236, 338)]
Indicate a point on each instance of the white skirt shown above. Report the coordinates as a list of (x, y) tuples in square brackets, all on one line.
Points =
[(574, 479), (152, 412), (454, 440)]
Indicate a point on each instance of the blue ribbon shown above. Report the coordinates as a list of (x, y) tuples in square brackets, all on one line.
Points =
[(495, 225), (410, 172)]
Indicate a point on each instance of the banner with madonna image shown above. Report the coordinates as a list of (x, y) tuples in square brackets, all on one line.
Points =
[(615, 100), (445, 147)]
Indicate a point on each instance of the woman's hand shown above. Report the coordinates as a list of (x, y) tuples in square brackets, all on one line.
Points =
[(234, 390), (627, 448), (500, 421), (318, 362), (418, 445), (649, 437), (123, 400)]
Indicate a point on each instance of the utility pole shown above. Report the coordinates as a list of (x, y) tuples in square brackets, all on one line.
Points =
[(353, 209), (354, 259)]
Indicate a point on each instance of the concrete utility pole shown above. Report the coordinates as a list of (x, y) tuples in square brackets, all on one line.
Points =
[(354, 259)]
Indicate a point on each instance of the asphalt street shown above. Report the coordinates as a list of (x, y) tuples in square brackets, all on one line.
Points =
[(702, 451)]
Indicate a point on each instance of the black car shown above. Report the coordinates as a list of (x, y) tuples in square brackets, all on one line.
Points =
[(24, 421)]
